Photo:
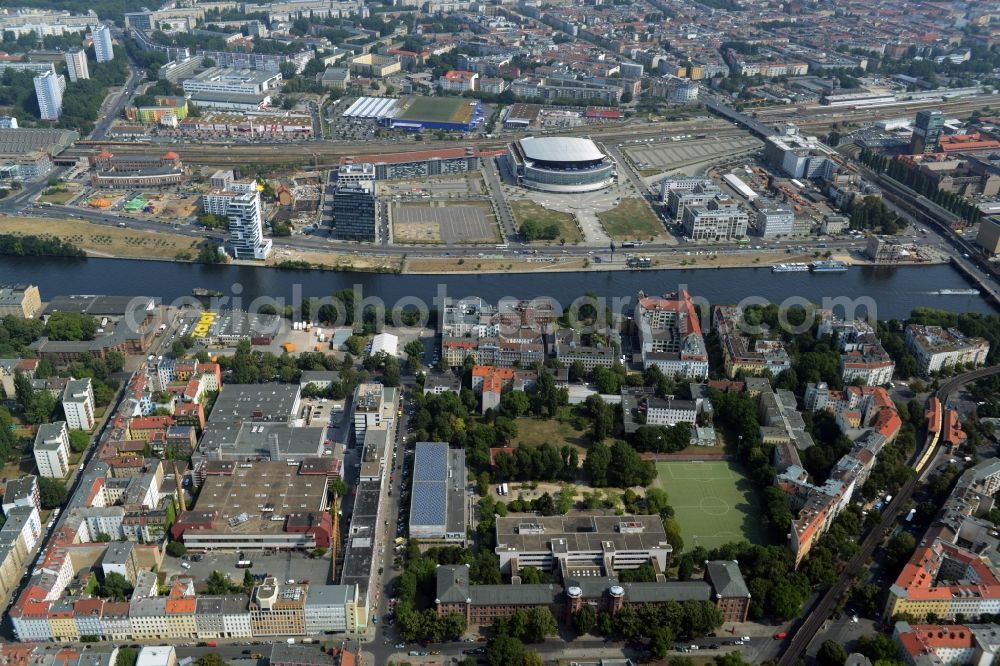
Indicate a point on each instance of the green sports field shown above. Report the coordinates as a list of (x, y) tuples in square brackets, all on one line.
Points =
[(714, 503), (437, 109)]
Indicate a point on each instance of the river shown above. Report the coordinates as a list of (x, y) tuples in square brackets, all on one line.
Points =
[(895, 291)]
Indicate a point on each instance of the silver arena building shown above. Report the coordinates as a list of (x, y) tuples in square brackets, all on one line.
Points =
[(560, 164)]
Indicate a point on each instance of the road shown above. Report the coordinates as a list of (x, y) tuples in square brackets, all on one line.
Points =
[(120, 99), (494, 183), (315, 242), (811, 623)]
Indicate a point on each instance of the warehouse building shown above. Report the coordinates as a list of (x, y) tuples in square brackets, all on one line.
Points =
[(437, 502)]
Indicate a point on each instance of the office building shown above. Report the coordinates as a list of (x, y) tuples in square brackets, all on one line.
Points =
[(671, 336), (355, 213), (579, 546), (719, 219), (775, 220), (20, 300), (988, 237), (103, 48), (354, 175), (437, 502), (78, 404), (938, 348), (798, 155), (49, 91), (76, 65), (52, 450), (678, 193), (373, 407), (330, 608), (220, 80), (927, 132)]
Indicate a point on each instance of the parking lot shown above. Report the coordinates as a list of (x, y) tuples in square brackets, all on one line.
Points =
[(284, 566), (676, 154), (439, 224), (464, 185)]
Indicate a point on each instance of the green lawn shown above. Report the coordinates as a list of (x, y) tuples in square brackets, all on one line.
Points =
[(525, 209), (532, 432), (632, 220), (714, 502)]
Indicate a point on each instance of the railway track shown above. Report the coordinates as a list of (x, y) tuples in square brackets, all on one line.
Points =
[(810, 625)]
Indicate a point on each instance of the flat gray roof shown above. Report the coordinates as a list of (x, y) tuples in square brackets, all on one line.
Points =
[(532, 533)]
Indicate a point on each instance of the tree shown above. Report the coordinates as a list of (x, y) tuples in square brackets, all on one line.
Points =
[(515, 403), (831, 653), (540, 624), (70, 326), (685, 567), (584, 619), (504, 650), (248, 581), (219, 583), (211, 659), (52, 492), (126, 656), (900, 547), (176, 549), (116, 587), (596, 464), (355, 344), (79, 440)]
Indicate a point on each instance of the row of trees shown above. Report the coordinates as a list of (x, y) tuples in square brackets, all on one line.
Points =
[(35, 246), (921, 183)]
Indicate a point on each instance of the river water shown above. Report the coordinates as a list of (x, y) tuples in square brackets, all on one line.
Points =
[(894, 291)]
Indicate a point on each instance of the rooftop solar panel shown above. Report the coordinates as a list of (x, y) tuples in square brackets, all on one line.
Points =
[(430, 461), (428, 504)]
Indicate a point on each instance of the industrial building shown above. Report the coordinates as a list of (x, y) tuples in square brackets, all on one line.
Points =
[(560, 164), (255, 505), (437, 501)]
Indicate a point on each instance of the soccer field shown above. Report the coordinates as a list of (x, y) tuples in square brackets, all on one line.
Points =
[(714, 503)]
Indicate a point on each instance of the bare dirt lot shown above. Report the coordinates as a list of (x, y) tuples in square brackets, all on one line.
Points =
[(101, 240), (468, 222)]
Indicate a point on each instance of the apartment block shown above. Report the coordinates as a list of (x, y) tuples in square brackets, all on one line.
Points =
[(51, 450), (743, 354), (76, 65), (862, 355), (671, 336), (20, 300), (937, 348), (78, 404)]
